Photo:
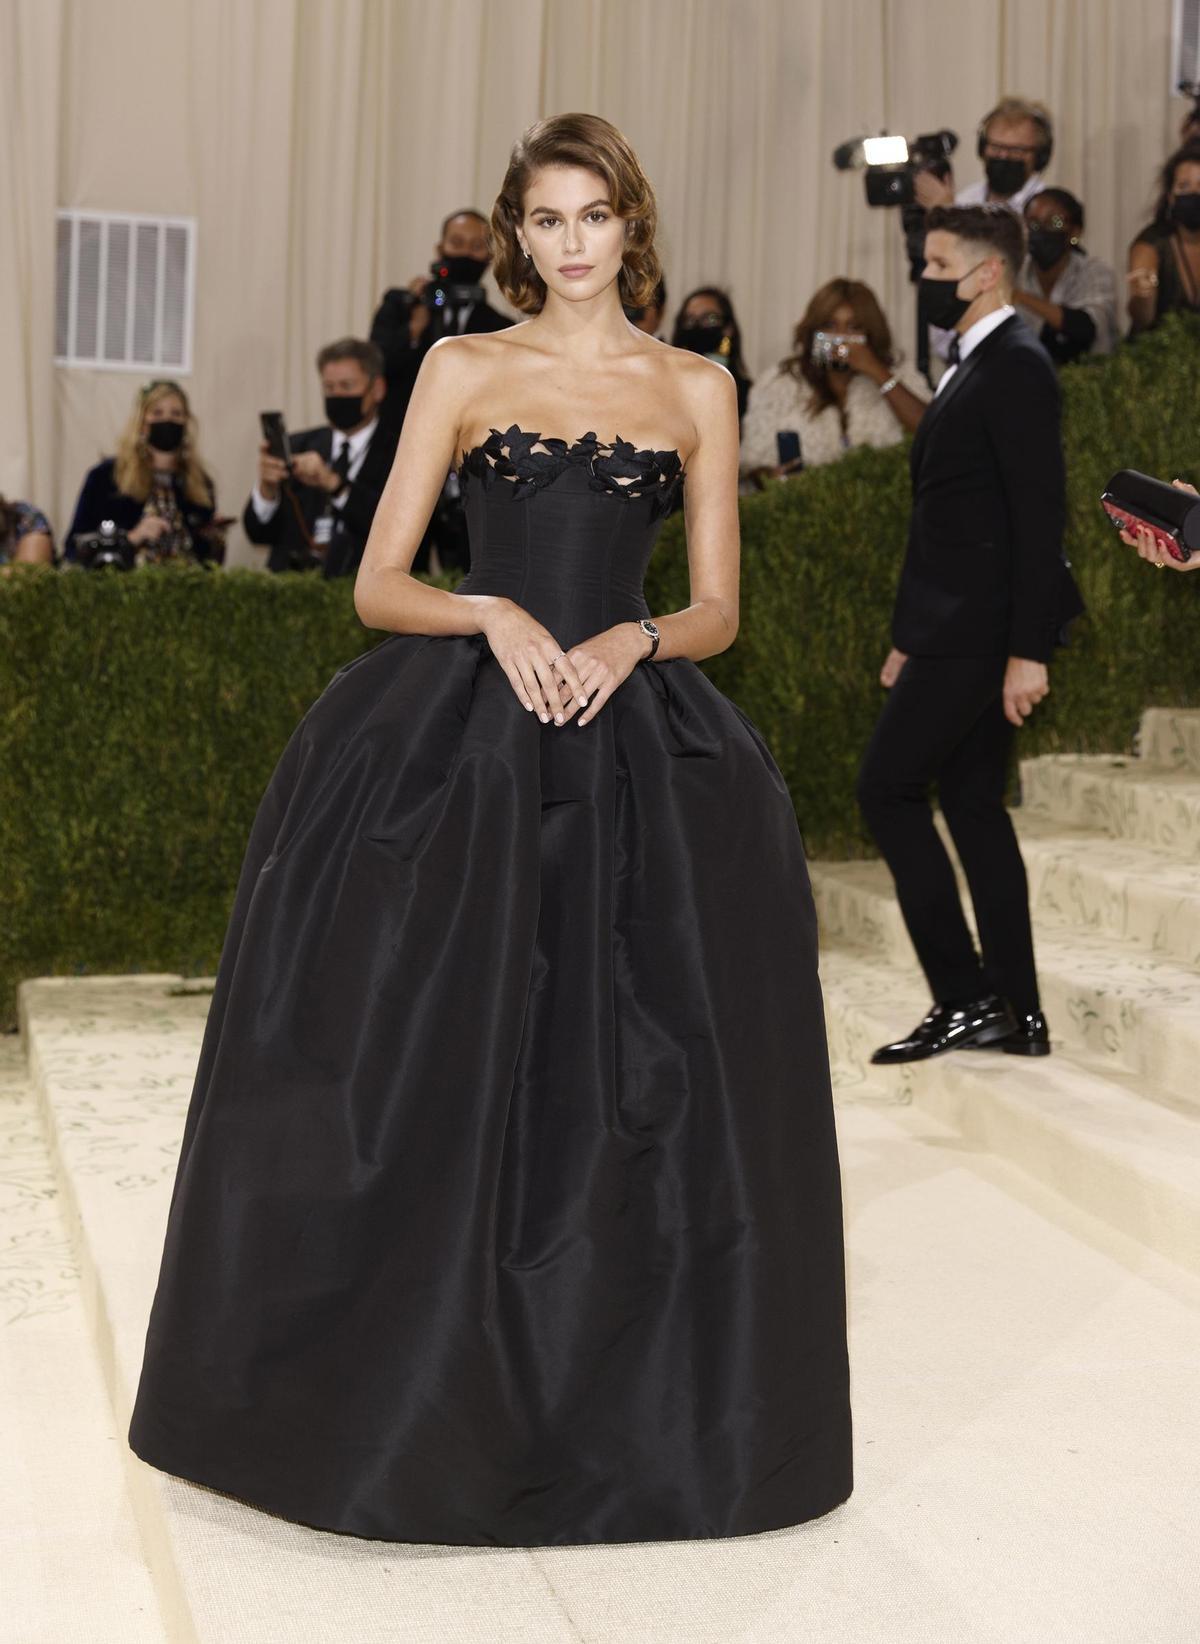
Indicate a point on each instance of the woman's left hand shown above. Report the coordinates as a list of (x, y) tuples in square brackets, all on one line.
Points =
[(602, 663)]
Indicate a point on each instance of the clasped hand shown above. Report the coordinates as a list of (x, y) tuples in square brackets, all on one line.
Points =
[(557, 686)]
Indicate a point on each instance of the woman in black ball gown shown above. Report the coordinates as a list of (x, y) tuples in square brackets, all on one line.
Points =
[(508, 1211)]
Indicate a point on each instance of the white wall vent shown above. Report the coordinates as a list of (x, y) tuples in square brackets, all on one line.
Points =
[(125, 291)]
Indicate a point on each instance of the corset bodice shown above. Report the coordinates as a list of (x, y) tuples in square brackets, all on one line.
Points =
[(565, 529)]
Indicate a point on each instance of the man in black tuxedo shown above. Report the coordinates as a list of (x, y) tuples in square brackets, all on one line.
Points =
[(318, 513), (984, 596)]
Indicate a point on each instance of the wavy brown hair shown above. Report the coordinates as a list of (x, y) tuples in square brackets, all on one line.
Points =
[(869, 318), (133, 466), (589, 141)]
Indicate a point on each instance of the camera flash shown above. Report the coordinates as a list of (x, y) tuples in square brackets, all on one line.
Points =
[(885, 151)]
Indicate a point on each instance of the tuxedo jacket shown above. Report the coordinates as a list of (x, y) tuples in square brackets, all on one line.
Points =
[(984, 571), (402, 359), (283, 534)]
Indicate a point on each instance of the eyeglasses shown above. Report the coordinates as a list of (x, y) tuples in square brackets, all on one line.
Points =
[(1008, 151)]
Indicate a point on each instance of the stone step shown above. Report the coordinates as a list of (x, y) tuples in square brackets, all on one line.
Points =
[(1135, 1011), (1122, 797), (1129, 892), (1089, 1134), (73, 1565), (1015, 1362), (1170, 738)]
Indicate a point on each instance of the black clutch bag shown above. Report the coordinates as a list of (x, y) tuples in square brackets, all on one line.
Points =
[(1131, 499)]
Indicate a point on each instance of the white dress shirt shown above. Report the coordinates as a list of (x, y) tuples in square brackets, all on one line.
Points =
[(972, 337), (358, 443), (976, 193)]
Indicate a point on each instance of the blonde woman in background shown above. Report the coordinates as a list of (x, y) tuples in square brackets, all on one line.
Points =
[(156, 488), (842, 386)]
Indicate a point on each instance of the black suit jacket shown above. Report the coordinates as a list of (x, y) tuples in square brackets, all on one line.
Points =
[(402, 360), (984, 572), (283, 533)]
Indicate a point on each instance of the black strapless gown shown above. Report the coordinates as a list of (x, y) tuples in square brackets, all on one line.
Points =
[(508, 1210)]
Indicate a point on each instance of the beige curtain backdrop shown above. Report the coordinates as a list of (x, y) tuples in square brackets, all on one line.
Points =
[(319, 143)]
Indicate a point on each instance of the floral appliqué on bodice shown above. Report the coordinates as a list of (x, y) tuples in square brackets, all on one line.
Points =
[(509, 459)]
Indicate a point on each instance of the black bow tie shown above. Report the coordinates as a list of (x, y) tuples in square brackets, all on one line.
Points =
[(955, 349)]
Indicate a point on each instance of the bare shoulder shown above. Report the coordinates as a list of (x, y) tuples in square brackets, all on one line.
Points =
[(708, 393)]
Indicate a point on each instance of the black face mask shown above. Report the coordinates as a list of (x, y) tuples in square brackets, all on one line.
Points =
[(1047, 245), (700, 339), (164, 436), (344, 411), (1005, 177), (460, 270), (1185, 211), (940, 303)]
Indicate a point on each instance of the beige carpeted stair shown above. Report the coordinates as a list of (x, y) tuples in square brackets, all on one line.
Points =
[(1112, 1118), (1024, 1332)]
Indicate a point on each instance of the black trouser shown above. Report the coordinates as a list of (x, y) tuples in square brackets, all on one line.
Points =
[(944, 722)]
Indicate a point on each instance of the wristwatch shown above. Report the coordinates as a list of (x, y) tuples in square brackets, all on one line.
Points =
[(651, 628)]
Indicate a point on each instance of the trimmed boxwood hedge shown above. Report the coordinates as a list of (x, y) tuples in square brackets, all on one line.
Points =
[(141, 715)]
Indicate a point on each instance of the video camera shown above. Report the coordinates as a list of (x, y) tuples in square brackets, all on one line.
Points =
[(892, 163)]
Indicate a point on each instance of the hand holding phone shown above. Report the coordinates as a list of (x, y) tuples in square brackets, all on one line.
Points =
[(787, 446), (275, 454)]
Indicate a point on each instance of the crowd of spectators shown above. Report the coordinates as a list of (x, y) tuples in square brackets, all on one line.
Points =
[(844, 384)]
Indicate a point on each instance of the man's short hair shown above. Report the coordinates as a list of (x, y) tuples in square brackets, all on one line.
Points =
[(993, 228), (466, 211), (368, 354)]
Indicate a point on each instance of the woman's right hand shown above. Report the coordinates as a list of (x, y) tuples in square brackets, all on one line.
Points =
[(531, 656), (148, 530)]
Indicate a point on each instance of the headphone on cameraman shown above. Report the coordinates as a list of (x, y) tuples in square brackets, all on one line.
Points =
[(1015, 108)]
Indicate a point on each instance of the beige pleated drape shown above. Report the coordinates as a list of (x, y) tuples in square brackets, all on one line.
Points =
[(319, 143)]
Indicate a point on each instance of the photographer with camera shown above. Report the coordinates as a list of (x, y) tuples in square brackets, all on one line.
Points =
[(448, 300), (984, 596), (842, 386), (316, 511), (1065, 294), (154, 500), (1014, 141)]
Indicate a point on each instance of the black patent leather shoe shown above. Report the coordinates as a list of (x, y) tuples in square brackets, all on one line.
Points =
[(953, 1027), (1032, 1038)]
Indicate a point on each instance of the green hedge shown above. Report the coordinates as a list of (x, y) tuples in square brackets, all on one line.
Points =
[(140, 716)]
